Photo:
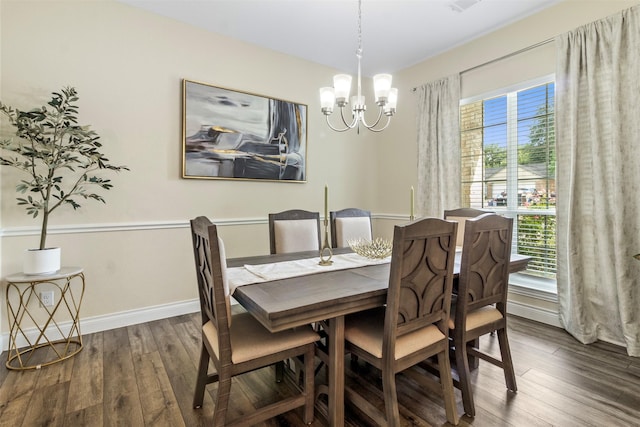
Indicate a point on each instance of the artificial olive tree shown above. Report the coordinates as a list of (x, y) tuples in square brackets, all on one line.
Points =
[(61, 158)]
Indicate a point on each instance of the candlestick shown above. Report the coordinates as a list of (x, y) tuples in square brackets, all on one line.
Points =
[(411, 216), (325, 250), (326, 202)]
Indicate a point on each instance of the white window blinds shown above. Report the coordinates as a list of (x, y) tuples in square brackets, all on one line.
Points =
[(508, 166)]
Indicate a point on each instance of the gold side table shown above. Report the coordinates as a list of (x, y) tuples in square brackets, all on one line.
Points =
[(56, 335)]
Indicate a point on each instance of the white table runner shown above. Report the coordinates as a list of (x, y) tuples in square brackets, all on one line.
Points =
[(248, 274)]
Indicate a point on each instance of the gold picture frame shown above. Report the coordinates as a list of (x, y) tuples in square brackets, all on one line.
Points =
[(230, 134)]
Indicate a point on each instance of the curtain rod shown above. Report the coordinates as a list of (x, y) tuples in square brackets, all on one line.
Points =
[(508, 55)]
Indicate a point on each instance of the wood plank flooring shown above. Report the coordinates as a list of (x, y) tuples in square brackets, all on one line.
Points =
[(144, 375)]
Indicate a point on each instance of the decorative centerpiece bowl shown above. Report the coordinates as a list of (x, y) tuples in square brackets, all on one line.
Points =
[(377, 249)]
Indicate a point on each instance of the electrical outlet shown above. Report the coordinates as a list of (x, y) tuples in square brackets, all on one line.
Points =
[(46, 298)]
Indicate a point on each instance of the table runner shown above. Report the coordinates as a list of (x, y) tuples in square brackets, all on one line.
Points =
[(248, 274)]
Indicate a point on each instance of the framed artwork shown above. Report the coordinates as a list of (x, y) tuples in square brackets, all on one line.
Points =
[(229, 134)]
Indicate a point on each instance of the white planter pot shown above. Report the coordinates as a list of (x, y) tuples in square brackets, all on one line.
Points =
[(41, 261)]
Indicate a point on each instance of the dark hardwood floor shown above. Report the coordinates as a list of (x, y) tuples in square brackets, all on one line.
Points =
[(144, 375)]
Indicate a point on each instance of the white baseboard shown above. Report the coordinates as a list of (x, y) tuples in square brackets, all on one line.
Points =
[(539, 314), (108, 321)]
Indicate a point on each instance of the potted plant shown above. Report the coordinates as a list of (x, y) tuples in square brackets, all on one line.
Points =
[(60, 158)]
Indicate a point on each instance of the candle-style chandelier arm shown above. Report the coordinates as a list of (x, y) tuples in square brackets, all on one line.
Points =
[(359, 117), (372, 127), (354, 119), (346, 128)]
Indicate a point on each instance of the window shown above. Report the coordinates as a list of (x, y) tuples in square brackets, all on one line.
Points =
[(508, 166)]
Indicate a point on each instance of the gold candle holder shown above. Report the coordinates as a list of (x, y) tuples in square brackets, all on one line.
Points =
[(325, 251)]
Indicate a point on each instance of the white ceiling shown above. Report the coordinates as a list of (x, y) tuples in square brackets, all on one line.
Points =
[(395, 33)]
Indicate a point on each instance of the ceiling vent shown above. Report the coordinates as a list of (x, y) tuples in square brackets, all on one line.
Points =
[(462, 5)]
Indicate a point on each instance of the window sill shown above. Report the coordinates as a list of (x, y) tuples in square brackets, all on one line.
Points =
[(534, 287)]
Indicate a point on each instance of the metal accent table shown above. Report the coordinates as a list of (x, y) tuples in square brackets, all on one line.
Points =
[(58, 336)]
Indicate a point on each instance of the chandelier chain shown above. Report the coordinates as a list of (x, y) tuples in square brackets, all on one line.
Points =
[(359, 51)]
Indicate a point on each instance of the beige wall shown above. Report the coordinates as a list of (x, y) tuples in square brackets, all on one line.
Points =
[(128, 65)]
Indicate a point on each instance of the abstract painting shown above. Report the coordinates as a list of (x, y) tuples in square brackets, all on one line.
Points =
[(229, 134)]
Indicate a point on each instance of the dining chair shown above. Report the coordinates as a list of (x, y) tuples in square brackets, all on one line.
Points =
[(461, 215), (481, 303), (294, 230), (238, 343), (349, 223), (413, 325)]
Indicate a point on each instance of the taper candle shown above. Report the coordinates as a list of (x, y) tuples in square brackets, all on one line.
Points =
[(326, 202), (412, 202)]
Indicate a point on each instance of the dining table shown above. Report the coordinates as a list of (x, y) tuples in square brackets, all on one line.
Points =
[(325, 296)]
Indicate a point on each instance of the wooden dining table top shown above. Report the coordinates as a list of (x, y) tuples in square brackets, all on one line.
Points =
[(286, 303)]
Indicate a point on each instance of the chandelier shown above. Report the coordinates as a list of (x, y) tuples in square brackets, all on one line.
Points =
[(386, 96)]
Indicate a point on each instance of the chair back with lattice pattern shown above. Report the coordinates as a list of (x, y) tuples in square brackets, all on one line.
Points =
[(421, 276), (484, 268)]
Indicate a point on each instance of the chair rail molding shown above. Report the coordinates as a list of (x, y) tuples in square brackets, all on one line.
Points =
[(149, 225), (132, 226)]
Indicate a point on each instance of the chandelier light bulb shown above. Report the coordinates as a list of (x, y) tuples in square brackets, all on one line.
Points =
[(327, 99), (382, 86), (342, 87), (392, 101), (357, 103)]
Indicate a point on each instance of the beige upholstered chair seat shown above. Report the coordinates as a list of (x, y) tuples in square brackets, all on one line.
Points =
[(477, 318), (250, 340), (348, 228), (296, 235), (366, 329)]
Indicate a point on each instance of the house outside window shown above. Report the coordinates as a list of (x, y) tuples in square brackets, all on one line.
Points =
[(508, 164)]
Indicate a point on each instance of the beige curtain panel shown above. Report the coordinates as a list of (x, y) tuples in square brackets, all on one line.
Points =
[(438, 147), (598, 179)]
